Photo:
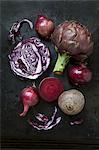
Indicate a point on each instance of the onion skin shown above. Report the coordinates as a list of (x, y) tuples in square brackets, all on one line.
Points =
[(50, 88), (79, 75), (29, 98), (44, 26)]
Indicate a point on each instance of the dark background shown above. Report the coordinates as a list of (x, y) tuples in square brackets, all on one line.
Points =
[(15, 131)]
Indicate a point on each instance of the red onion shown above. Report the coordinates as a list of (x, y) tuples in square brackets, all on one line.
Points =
[(50, 88), (29, 97), (79, 75), (44, 26)]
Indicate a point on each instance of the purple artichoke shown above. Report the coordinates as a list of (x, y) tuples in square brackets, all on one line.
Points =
[(72, 39)]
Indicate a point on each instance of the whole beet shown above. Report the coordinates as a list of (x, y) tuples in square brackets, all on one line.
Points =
[(74, 38)]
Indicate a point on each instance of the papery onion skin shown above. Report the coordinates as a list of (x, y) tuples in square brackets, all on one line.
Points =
[(29, 97), (79, 75), (44, 26), (50, 88)]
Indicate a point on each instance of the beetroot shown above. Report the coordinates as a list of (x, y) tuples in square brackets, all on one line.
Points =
[(29, 97), (50, 88)]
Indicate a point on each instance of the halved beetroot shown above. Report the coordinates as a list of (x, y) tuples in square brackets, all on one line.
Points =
[(50, 88)]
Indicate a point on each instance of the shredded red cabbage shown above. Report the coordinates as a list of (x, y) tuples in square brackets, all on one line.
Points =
[(77, 122), (47, 123), (15, 30)]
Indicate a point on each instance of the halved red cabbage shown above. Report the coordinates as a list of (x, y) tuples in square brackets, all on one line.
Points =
[(30, 58)]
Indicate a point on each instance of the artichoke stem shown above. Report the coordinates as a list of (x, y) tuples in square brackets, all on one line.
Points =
[(61, 63)]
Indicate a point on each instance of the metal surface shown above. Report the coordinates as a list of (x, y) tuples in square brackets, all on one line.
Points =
[(15, 131)]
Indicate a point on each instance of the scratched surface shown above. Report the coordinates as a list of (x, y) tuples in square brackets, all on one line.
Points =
[(14, 127)]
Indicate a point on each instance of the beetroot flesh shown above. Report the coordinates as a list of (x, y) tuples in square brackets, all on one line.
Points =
[(50, 88)]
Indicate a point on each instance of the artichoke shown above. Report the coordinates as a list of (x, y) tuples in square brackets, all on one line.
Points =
[(71, 39)]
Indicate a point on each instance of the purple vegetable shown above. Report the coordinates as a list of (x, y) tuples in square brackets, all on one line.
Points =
[(71, 39), (50, 88), (15, 30), (47, 123), (77, 122), (30, 58), (41, 117), (79, 75), (44, 26), (74, 38), (29, 98)]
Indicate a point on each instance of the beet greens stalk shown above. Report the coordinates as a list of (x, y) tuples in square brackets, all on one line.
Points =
[(61, 62)]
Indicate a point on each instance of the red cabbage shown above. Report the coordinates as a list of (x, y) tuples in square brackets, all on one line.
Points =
[(30, 58)]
